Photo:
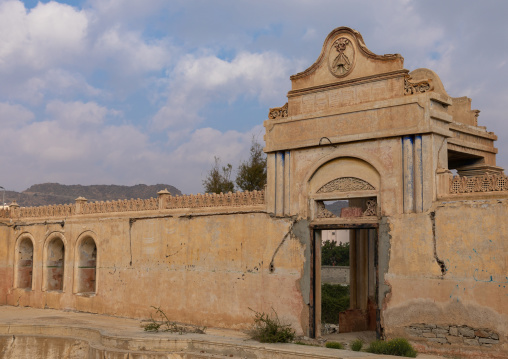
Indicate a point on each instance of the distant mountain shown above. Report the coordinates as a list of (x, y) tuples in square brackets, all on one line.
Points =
[(55, 193), (336, 207)]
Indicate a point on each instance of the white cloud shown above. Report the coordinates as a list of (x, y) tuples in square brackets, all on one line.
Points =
[(14, 115), (49, 34), (196, 81), (53, 49), (70, 114), (130, 52), (77, 83)]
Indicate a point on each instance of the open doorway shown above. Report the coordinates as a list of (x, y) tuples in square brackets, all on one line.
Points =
[(345, 273)]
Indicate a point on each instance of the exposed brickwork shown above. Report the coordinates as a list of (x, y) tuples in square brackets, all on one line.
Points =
[(454, 334)]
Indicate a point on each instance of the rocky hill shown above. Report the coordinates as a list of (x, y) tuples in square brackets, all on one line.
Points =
[(55, 193)]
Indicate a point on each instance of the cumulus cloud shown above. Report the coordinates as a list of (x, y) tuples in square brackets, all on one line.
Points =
[(14, 115), (123, 91), (55, 49), (49, 34), (198, 80), (72, 114)]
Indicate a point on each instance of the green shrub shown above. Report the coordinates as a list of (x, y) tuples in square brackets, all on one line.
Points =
[(356, 345), (334, 299), (269, 329), (334, 345), (397, 346)]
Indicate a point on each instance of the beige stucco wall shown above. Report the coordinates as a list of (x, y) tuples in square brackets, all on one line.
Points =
[(206, 269), (6, 270), (471, 239)]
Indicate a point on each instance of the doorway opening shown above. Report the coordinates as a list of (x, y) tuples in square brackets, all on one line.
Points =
[(344, 273)]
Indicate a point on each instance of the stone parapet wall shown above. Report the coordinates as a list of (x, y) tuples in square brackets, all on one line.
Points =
[(165, 201), (215, 200)]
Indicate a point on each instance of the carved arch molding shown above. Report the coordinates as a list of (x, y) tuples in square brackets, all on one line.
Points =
[(346, 184)]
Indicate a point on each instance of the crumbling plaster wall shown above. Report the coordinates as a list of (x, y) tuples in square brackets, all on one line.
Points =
[(206, 269), (470, 238)]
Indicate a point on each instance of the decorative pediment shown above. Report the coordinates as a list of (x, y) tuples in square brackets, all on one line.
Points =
[(344, 56), (346, 184)]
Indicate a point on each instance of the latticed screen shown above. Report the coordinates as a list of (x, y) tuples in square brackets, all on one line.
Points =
[(485, 183)]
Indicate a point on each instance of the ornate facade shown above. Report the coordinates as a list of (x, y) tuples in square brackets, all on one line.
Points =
[(428, 248)]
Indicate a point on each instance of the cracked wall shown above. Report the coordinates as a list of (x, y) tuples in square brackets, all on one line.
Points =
[(469, 238), (205, 269)]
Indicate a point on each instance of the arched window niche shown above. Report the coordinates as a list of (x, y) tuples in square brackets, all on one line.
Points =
[(54, 263), (85, 282), (24, 262)]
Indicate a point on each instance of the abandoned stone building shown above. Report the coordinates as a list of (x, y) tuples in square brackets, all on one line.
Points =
[(428, 246)]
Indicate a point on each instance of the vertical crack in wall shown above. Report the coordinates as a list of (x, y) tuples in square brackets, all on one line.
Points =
[(272, 265), (440, 262)]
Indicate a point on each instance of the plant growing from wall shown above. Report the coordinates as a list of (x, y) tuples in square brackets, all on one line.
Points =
[(269, 329)]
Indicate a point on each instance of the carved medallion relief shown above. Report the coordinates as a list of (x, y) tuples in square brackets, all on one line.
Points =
[(341, 57)]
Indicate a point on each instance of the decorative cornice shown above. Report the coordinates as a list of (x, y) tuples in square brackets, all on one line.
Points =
[(411, 88), (278, 112), (350, 82)]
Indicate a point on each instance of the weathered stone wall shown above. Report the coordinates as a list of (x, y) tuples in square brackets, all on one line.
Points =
[(448, 270), (206, 268), (6, 269)]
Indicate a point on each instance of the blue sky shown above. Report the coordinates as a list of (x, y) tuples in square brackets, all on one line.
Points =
[(128, 92)]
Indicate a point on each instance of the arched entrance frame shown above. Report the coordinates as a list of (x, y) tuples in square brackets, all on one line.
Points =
[(356, 180)]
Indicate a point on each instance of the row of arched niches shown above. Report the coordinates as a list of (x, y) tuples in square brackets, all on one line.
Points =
[(54, 263)]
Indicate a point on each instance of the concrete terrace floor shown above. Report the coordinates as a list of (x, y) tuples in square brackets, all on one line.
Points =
[(47, 333)]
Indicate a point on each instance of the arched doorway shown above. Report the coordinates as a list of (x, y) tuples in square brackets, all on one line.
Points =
[(354, 185)]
